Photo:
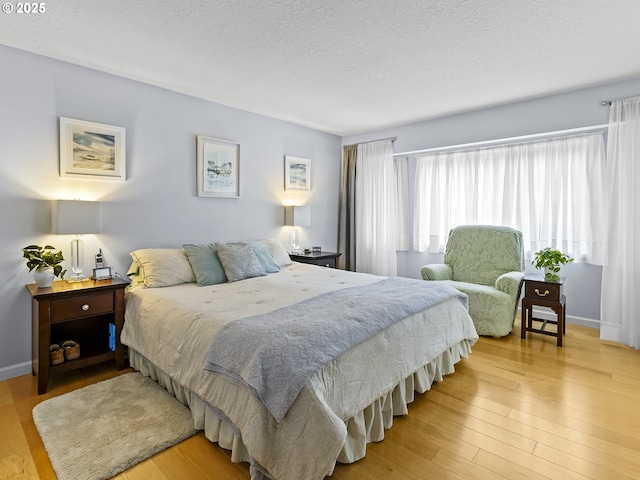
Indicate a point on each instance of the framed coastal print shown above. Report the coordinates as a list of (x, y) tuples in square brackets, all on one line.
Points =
[(218, 168), (92, 150), (297, 173)]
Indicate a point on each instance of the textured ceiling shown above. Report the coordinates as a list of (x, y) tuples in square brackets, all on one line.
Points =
[(344, 66)]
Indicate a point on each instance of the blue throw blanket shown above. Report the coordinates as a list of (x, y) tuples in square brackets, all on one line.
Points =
[(275, 354)]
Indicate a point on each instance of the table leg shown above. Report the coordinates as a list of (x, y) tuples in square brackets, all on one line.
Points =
[(561, 328)]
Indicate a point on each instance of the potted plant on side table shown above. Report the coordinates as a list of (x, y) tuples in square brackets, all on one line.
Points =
[(46, 263), (550, 260)]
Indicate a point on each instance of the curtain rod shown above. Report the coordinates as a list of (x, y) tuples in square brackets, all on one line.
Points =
[(393, 139), (504, 140), (606, 103)]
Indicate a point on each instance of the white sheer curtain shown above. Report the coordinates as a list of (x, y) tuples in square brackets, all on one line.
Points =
[(551, 190), (401, 167), (620, 304), (376, 209)]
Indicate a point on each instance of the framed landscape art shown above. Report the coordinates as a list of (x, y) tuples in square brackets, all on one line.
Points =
[(297, 173), (92, 150), (218, 168)]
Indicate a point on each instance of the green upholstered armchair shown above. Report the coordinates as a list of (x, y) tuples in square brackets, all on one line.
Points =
[(487, 263)]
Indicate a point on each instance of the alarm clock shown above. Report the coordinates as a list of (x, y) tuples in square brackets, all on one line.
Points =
[(102, 273)]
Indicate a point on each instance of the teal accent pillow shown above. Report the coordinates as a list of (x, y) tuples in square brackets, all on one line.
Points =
[(265, 257), (205, 264)]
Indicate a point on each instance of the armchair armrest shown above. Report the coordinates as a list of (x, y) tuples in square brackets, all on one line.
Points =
[(437, 271), (510, 283)]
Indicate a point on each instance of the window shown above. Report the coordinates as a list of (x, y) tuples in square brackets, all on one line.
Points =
[(551, 190)]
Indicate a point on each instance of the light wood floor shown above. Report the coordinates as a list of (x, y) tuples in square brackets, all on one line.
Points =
[(514, 410)]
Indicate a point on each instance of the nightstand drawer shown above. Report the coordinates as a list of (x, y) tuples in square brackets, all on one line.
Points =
[(326, 262), (85, 306), (547, 291)]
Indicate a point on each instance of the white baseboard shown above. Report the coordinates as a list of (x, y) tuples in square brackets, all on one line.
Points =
[(13, 371), (549, 315)]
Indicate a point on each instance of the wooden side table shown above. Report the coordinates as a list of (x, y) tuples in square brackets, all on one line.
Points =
[(323, 259), (540, 292), (81, 312)]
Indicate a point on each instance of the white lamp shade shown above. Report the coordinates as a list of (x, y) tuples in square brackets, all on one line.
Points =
[(75, 217), (297, 216)]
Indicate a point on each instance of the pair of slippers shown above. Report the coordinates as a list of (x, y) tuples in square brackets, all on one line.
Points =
[(67, 350)]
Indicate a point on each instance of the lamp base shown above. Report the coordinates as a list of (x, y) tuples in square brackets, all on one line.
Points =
[(77, 279), (77, 258), (295, 240)]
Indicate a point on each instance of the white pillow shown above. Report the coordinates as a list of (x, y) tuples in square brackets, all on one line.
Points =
[(163, 267), (277, 251)]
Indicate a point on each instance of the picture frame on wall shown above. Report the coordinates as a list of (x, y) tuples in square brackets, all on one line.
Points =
[(218, 171), (92, 150), (297, 173)]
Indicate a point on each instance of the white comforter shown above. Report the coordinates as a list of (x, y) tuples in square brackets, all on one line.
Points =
[(173, 327)]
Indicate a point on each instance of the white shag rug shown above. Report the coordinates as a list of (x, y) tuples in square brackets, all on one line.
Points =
[(98, 431)]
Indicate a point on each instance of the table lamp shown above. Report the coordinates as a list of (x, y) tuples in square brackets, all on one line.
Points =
[(297, 216), (76, 217)]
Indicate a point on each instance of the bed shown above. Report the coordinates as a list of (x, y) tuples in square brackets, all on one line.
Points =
[(175, 309)]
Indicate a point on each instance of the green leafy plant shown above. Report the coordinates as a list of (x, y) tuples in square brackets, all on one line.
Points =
[(43, 257), (550, 259)]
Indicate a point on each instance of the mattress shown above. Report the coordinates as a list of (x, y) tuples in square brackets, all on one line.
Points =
[(169, 330)]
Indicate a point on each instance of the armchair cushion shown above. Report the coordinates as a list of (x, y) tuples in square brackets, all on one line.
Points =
[(492, 310), (481, 253)]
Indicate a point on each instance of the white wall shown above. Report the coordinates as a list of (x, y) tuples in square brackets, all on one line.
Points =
[(157, 206), (558, 112)]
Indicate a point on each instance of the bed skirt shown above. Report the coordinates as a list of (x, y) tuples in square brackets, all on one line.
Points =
[(365, 427)]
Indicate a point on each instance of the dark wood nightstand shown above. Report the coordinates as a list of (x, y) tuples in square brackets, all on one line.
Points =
[(323, 259), (540, 292), (81, 312)]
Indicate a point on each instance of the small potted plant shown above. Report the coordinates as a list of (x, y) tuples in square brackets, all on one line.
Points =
[(550, 260), (46, 263)]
